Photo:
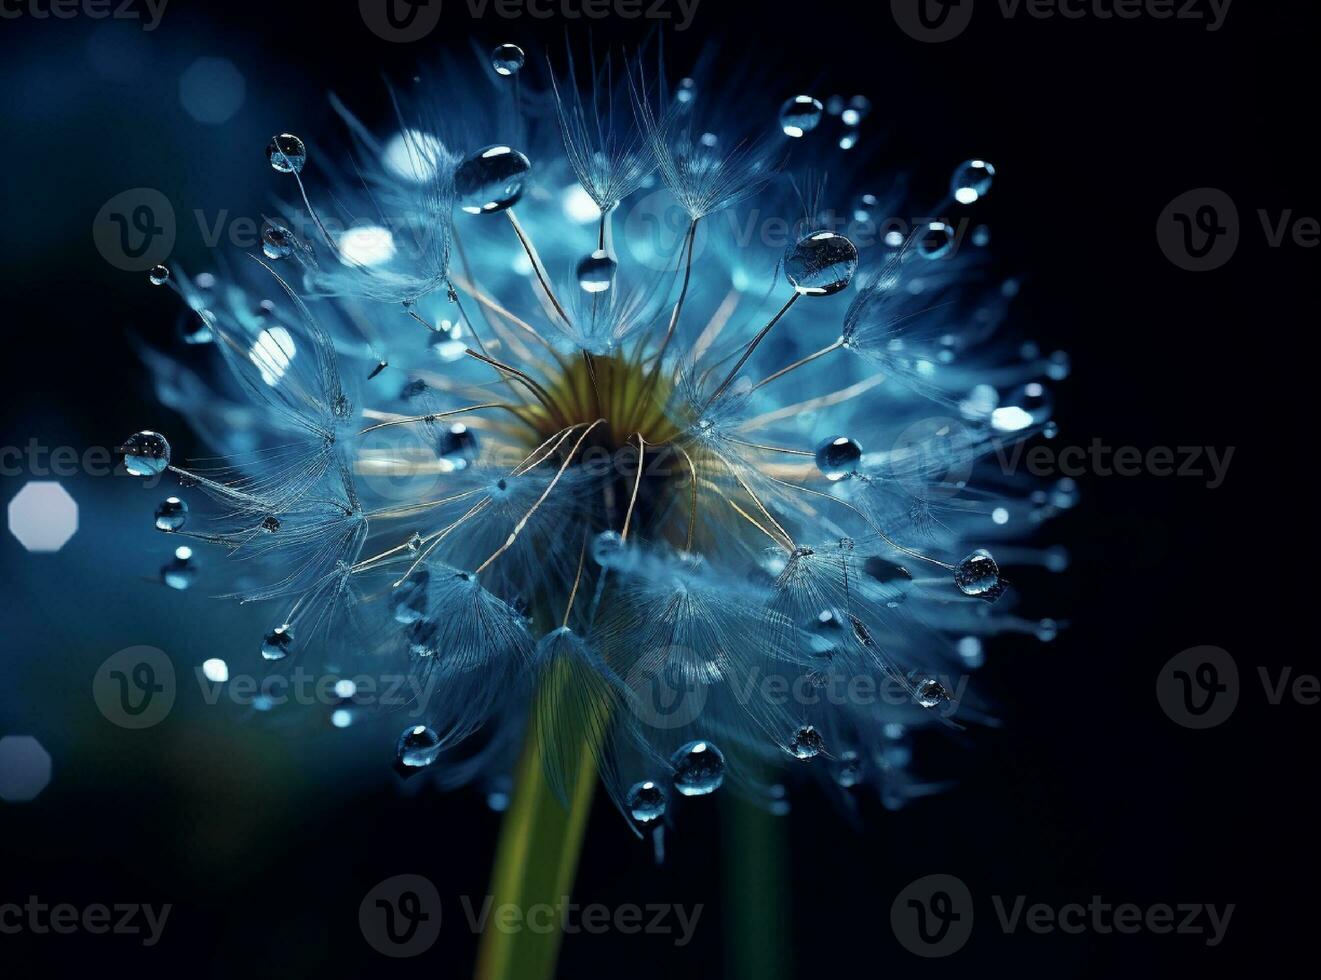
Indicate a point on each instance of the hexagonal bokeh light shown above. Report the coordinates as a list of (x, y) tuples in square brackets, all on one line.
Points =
[(43, 516), (24, 768)]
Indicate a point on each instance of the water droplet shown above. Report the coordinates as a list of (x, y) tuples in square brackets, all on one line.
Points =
[(159, 275), (1047, 630), (215, 670), (646, 802), (507, 59), (146, 453), (686, 91), (286, 153), (858, 109), (1025, 406), (491, 179), (807, 743), (970, 649), (848, 771), (418, 746), (458, 445), (972, 181), (277, 241), (278, 642), (931, 693), (596, 272), (607, 547), (838, 457), (408, 599), (821, 264), (936, 240), (979, 575), (800, 115), (699, 768), (181, 571), (171, 514)]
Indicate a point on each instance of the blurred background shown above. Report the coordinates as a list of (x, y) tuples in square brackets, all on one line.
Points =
[(265, 830)]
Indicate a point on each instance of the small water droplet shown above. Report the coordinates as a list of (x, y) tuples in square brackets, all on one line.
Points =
[(159, 275), (408, 599), (821, 264), (286, 153), (491, 179), (277, 241), (607, 547), (596, 272), (1047, 630), (686, 91), (418, 746), (848, 771), (936, 240), (646, 802), (931, 693), (978, 575), (278, 642), (171, 514), (146, 453), (800, 115), (459, 445), (181, 570), (807, 743), (699, 768), (858, 109), (838, 457), (507, 59), (972, 181), (270, 524)]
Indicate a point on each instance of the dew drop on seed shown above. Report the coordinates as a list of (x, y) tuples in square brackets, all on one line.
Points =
[(507, 59), (607, 547), (936, 240), (171, 514), (418, 746), (931, 693), (699, 768), (278, 642), (491, 179), (277, 241), (146, 453), (159, 275), (838, 457), (972, 181), (807, 743), (978, 575), (596, 272), (800, 115), (821, 264), (286, 153), (646, 802)]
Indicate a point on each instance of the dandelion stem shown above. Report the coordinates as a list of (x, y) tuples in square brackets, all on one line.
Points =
[(637, 483), (799, 363), (433, 416), (683, 292), (756, 341), (537, 267)]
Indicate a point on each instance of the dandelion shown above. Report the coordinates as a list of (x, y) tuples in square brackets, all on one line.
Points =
[(610, 513)]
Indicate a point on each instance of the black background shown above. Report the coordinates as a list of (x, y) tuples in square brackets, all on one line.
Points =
[(1087, 790)]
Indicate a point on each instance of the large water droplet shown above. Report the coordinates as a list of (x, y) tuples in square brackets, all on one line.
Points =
[(821, 264), (807, 743), (507, 59), (146, 453), (800, 115), (979, 575), (699, 768), (646, 802), (159, 275), (277, 241), (171, 514), (972, 181), (491, 179), (286, 153), (596, 272), (838, 457), (181, 570), (936, 240), (418, 746), (278, 642)]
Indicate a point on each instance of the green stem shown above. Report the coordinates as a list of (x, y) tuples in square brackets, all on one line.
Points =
[(760, 931), (536, 860)]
